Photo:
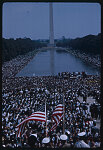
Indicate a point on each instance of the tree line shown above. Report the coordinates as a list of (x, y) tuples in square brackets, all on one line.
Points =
[(12, 48), (90, 44)]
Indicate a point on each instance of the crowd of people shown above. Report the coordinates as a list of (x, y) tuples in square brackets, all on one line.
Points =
[(22, 96), (12, 67), (94, 60)]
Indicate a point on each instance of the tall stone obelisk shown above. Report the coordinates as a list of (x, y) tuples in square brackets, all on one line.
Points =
[(51, 25)]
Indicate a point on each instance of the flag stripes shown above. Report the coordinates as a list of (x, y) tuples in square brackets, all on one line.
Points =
[(57, 116), (21, 129), (41, 116), (37, 116), (56, 124)]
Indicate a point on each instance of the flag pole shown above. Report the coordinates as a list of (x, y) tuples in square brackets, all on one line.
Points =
[(46, 118), (63, 110)]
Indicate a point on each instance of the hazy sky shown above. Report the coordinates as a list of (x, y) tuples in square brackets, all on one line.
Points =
[(32, 20)]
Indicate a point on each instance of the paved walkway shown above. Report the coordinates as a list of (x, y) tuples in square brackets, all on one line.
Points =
[(90, 100)]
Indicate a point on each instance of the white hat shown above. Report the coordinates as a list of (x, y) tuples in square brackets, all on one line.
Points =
[(34, 135), (81, 134), (21, 92), (63, 137), (68, 132), (46, 140)]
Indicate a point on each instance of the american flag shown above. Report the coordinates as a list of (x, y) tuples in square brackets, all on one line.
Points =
[(57, 116), (21, 129), (37, 116)]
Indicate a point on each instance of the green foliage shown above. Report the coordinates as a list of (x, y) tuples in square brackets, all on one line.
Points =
[(89, 44), (12, 48)]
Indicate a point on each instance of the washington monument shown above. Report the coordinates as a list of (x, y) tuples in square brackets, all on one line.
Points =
[(51, 36), (51, 44)]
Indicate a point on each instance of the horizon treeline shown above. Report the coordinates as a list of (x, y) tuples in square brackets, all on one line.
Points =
[(12, 48), (90, 44)]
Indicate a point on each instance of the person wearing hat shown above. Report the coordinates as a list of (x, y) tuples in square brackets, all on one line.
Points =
[(46, 142), (63, 139)]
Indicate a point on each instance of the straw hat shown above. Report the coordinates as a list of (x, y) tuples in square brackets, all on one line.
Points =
[(81, 134), (34, 135), (63, 137), (46, 140)]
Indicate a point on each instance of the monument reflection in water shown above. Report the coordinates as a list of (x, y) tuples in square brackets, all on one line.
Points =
[(52, 61)]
